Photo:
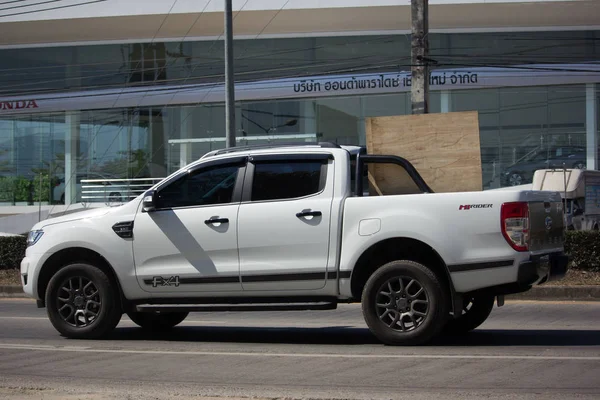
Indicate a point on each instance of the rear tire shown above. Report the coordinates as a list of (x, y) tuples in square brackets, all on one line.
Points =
[(82, 303), (404, 303), (476, 310), (157, 321)]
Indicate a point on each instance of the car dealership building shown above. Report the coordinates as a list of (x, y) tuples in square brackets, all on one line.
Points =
[(133, 90)]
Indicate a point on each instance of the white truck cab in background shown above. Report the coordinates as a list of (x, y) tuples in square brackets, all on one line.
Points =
[(580, 189), (290, 228)]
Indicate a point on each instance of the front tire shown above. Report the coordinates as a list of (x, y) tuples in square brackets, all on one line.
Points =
[(405, 303), (114, 197), (82, 303), (476, 310), (157, 321)]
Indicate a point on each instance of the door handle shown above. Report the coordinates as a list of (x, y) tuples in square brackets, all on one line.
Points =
[(217, 221), (309, 214)]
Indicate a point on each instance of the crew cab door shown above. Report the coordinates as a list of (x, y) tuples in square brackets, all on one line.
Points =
[(284, 222), (188, 243)]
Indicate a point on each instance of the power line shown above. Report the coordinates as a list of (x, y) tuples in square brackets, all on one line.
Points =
[(354, 65), (208, 92), (215, 62), (189, 30), (28, 70), (200, 101), (30, 5), (118, 97), (489, 58), (11, 1), (363, 40), (280, 81), (52, 8)]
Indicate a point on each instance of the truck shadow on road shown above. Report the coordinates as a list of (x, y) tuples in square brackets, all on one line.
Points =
[(347, 335)]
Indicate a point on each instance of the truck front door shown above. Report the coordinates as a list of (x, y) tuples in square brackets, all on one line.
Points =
[(189, 242)]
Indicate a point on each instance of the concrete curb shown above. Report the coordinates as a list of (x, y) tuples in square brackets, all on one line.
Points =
[(573, 293), (541, 293), (11, 291)]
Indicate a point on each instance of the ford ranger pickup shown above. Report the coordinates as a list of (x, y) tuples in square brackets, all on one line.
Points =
[(298, 227)]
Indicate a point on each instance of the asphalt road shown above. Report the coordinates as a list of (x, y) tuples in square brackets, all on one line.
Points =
[(525, 350)]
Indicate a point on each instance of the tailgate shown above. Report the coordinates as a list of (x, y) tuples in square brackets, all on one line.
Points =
[(546, 223)]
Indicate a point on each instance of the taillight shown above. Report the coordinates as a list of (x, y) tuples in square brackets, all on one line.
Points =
[(515, 224)]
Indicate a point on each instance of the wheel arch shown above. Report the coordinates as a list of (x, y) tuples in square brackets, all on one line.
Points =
[(72, 255), (397, 248)]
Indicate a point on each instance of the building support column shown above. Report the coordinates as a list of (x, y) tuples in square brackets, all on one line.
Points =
[(185, 149), (13, 147), (238, 121), (308, 118), (73, 128), (362, 123), (445, 101), (591, 125)]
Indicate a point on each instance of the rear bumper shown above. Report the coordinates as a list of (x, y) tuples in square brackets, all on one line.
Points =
[(542, 269), (533, 271)]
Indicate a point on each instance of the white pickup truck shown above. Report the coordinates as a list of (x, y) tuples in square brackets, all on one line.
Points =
[(289, 228)]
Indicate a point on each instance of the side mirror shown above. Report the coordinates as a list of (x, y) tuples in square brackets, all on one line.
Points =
[(148, 202)]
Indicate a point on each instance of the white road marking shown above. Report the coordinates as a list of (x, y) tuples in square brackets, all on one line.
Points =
[(80, 349), (248, 324), (123, 320)]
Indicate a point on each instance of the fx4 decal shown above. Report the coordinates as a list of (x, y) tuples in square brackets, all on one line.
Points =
[(170, 281)]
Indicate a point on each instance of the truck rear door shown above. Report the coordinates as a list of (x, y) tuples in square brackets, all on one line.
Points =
[(284, 222)]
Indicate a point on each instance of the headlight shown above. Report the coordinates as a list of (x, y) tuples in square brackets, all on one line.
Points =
[(33, 237)]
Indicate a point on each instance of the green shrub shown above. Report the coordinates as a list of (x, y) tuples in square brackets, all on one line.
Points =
[(41, 190), (15, 189), (6, 188), (12, 251), (22, 189), (583, 248)]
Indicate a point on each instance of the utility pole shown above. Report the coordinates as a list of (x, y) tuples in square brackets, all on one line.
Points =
[(229, 79), (419, 93)]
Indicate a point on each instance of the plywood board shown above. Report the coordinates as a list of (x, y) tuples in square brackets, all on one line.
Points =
[(444, 148)]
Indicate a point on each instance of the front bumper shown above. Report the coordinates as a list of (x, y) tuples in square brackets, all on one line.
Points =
[(542, 269), (29, 270)]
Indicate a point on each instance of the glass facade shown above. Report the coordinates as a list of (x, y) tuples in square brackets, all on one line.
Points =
[(516, 123), (59, 69), (44, 156)]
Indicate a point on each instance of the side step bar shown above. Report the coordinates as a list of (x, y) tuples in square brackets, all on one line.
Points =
[(234, 307)]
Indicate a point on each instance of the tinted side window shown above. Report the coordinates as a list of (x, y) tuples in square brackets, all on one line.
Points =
[(199, 188), (286, 179)]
